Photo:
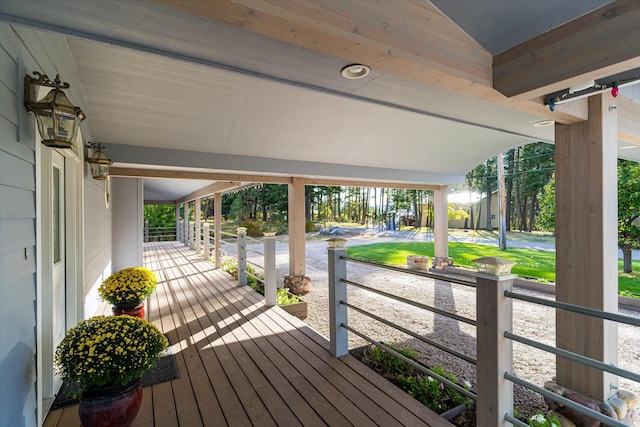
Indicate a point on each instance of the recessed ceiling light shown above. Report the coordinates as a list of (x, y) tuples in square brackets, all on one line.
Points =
[(355, 71), (543, 123), (626, 147)]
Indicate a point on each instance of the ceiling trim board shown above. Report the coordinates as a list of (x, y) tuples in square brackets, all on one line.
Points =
[(160, 202), (250, 166)]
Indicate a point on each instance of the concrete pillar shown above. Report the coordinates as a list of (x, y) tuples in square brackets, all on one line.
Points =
[(217, 228), (586, 244), (296, 228), (198, 225), (440, 226)]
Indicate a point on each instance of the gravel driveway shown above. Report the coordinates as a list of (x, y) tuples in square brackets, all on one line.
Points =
[(530, 320)]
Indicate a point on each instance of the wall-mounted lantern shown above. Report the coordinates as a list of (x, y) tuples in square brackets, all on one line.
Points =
[(57, 118), (98, 162)]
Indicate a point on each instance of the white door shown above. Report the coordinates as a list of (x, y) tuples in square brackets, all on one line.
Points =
[(58, 282)]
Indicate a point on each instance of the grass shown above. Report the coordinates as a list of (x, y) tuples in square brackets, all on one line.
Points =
[(535, 264)]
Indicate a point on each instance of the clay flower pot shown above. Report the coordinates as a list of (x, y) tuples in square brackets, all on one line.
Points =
[(115, 405), (135, 309)]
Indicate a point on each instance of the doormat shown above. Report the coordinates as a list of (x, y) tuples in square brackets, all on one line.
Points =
[(166, 369)]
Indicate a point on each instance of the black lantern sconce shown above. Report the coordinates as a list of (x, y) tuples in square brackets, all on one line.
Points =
[(98, 162), (57, 118)]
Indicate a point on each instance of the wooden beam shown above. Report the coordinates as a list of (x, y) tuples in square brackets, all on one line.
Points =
[(211, 176), (599, 44), (216, 187), (297, 264), (412, 39), (369, 184), (586, 245)]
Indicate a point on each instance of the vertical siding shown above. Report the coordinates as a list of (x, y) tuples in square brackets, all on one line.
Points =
[(17, 238)]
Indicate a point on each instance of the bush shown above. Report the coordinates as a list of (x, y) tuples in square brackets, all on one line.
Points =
[(310, 226), (254, 229)]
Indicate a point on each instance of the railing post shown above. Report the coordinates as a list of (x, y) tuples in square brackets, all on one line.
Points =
[(146, 231), (494, 316), (242, 256), (190, 233), (205, 240), (178, 237), (270, 270), (185, 232), (337, 293), (197, 234), (217, 229)]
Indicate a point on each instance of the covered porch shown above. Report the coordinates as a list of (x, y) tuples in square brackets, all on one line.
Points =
[(244, 364)]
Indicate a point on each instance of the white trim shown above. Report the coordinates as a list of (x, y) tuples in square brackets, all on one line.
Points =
[(74, 191)]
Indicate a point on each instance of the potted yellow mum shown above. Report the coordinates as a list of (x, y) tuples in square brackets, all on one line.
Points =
[(107, 356), (127, 289)]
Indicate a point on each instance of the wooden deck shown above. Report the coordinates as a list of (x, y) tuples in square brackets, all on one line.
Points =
[(242, 364)]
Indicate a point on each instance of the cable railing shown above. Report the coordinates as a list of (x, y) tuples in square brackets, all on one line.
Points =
[(159, 232), (494, 360), (339, 325)]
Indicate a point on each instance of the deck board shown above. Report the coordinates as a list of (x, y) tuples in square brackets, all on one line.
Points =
[(242, 364)]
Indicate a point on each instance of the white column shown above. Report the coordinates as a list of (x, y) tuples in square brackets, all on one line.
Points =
[(440, 224), (270, 271), (205, 238), (242, 255), (178, 236), (337, 312), (198, 236), (495, 352), (217, 228)]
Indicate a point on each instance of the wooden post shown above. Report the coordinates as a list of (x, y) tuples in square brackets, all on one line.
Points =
[(495, 352), (146, 231), (185, 223), (296, 228), (270, 271), (178, 237), (339, 336), (242, 256), (586, 244), (440, 224), (217, 228), (198, 226), (205, 240)]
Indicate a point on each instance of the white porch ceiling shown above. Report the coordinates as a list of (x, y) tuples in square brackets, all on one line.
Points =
[(197, 93)]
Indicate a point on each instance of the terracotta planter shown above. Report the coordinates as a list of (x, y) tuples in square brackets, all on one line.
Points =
[(111, 405), (135, 309)]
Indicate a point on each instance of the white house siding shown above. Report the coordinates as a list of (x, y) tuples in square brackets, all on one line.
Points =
[(127, 201), (18, 401)]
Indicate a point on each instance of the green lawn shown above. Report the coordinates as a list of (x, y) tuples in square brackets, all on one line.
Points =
[(532, 263)]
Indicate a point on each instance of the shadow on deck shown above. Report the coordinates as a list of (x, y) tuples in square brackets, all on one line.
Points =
[(244, 364)]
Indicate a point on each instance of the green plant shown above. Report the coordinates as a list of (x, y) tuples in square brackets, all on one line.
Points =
[(254, 228), (283, 297), (542, 420), (388, 362), (108, 350), (424, 388), (128, 285)]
